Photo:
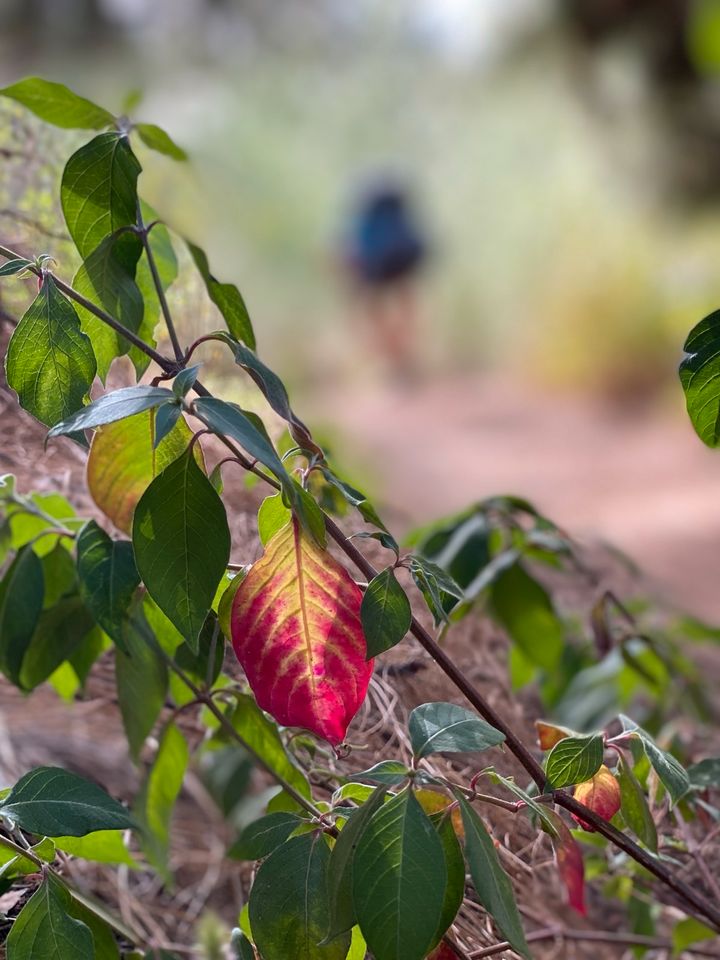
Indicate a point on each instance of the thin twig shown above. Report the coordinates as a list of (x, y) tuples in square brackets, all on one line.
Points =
[(159, 289)]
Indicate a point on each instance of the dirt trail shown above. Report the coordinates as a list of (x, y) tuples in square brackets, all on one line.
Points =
[(640, 479)]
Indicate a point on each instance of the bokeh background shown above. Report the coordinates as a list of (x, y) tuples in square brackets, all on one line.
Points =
[(564, 158)]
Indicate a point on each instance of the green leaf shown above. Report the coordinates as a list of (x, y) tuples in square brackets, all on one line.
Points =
[(56, 104), (390, 772), (309, 514), (59, 575), (185, 380), (455, 865), (240, 946), (182, 544), (104, 943), (124, 460), (108, 578), (226, 601), (99, 190), (273, 515), (288, 903), (118, 405), (493, 887), (525, 610), (142, 681), (446, 728), (44, 928), (399, 880), (50, 362), (230, 420), (435, 584), (385, 613), (107, 279), (21, 601), (672, 775), (226, 297), (634, 806), (159, 793), (264, 740), (52, 802), (574, 760), (156, 138), (358, 500), (262, 836), (689, 931), (340, 869), (12, 267), (167, 268), (705, 774), (60, 632), (699, 373), (103, 846)]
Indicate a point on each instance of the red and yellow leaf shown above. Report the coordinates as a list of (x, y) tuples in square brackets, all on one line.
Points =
[(601, 794), (570, 863), (123, 463), (550, 733), (296, 631)]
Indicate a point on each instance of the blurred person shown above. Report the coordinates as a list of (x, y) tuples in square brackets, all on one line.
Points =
[(384, 251)]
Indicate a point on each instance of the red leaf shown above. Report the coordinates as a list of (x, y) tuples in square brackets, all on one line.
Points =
[(442, 952), (570, 863), (296, 631), (601, 794)]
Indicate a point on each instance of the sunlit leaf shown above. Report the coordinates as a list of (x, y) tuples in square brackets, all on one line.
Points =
[(550, 733), (107, 279), (273, 515), (159, 793), (57, 104), (123, 462), (111, 407), (297, 633), (50, 362), (167, 270), (671, 774), (227, 298), (160, 141), (99, 190), (103, 846), (699, 373)]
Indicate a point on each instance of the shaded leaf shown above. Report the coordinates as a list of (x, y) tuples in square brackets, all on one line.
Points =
[(574, 759), (435, 584), (288, 903), (446, 728), (57, 104), (118, 405), (385, 613), (570, 863), (525, 610), (398, 910), (390, 772), (60, 632), (262, 836), (705, 773), (123, 462), (160, 141), (21, 601), (99, 190), (52, 802), (340, 869), (455, 866), (226, 297), (672, 775), (142, 681), (181, 541), (492, 884), (108, 578), (634, 806), (699, 373), (50, 362), (167, 269), (11, 267), (297, 633)]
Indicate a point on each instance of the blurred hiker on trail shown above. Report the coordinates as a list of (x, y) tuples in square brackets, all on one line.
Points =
[(384, 251)]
